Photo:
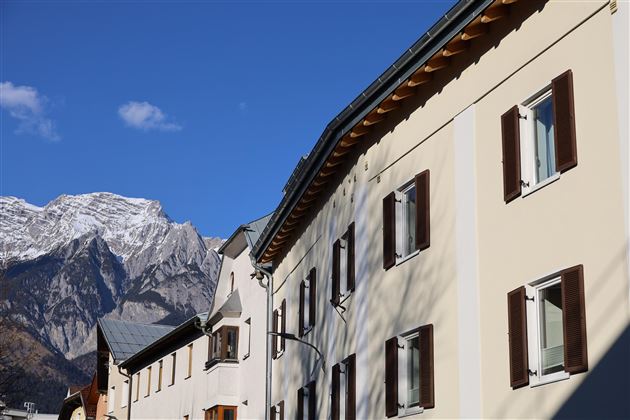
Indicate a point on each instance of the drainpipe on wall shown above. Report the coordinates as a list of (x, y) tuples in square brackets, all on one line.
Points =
[(260, 274), (129, 388)]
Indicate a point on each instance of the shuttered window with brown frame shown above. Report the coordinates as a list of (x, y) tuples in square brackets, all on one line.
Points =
[(391, 377), (350, 262), (312, 299), (511, 139), (300, 404), (427, 393), (336, 271), (389, 231), (301, 310), (312, 400), (351, 387), (281, 410), (335, 403), (423, 213), (277, 411), (283, 328), (564, 121), (574, 320), (517, 332), (275, 329), (273, 413)]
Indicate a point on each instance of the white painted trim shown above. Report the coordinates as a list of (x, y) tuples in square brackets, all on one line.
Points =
[(362, 247), (469, 330), (621, 47)]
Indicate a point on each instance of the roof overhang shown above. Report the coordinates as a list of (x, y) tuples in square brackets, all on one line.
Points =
[(451, 35)]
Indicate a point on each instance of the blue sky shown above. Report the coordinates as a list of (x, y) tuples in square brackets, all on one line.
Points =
[(204, 106)]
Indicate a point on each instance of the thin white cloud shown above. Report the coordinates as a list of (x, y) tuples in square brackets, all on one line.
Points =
[(144, 116), (27, 106)]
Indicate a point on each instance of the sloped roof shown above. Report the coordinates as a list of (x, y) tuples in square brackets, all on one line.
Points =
[(251, 232), (231, 307), (185, 331), (125, 338)]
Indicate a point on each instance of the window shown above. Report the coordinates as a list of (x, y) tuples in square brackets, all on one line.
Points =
[(307, 402), (224, 346), (220, 412), (190, 355), (160, 369), (232, 282), (277, 411), (137, 387), (343, 267), (124, 400), (111, 398), (279, 325), (186, 417), (308, 303), (343, 390), (538, 138), (148, 382), (547, 329), (248, 326), (409, 372), (173, 365), (406, 221)]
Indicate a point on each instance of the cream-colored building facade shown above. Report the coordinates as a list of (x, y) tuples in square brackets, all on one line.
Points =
[(211, 367), (564, 232)]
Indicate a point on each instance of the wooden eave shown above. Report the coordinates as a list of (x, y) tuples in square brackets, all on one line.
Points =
[(405, 89)]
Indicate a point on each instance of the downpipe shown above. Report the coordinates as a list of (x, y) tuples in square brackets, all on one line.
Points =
[(261, 273)]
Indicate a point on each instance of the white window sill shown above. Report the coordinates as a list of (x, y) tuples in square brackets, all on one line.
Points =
[(410, 411), (407, 257), (549, 379), (530, 190)]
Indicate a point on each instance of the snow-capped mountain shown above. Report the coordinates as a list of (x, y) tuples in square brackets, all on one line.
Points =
[(83, 257)]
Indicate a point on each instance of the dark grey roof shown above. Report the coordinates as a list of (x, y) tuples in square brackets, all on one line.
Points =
[(460, 15), (125, 338), (230, 308), (254, 229)]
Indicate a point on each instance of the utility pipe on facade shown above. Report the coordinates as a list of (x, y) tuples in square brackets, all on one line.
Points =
[(261, 273)]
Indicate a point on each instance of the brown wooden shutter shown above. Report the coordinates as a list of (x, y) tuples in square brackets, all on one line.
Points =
[(334, 298), (283, 328), (391, 377), (301, 311), (312, 401), (281, 407), (224, 341), (517, 332), (335, 397), (564, 121), (272, 413), (275, 329), (350, 263), (427, 394), (511, 139), (351, 384), (300, 404), (389, 231), (312, 291), (574, 320), (423, 213)]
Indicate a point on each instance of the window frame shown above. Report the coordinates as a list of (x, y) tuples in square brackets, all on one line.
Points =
[(149, 368), (218, 352), (125, 394), (533, 331), (173, 366), (219, 412), (403, 377), (160, 370), (527, 134), (248, 322), (401, 222), (111, 399), (307, 325)]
